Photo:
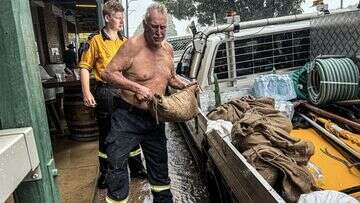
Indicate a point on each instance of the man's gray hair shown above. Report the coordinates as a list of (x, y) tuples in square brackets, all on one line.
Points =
[(155, 6)]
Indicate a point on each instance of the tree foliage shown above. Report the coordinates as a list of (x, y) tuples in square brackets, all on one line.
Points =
[(204, 10)]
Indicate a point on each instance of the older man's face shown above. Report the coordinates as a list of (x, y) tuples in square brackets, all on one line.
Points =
[(155, 28)]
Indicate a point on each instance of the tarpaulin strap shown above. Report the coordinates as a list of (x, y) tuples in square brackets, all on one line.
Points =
[(135, 152), (102, 155), (155, 107), (159, 188), (109, 200)]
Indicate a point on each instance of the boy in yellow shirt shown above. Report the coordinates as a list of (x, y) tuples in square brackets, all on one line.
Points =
[(98, 52)]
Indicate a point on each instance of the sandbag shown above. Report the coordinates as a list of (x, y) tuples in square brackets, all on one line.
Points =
[(279, 170), (234, 110), (261, 134), (178, 107)]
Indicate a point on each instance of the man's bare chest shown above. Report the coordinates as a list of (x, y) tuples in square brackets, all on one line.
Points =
[(149, 67)]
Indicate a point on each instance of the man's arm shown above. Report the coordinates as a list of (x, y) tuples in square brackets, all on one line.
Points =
[(85, 85), (122, 61), (86, 64), (175, 81)]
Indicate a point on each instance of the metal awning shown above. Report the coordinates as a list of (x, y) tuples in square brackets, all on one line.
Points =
[(84, 11)]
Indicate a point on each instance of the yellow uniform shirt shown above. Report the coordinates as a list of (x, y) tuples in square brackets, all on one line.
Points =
[(99, 51)]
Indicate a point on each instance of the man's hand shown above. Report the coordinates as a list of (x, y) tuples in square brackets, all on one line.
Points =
[(194, 83), (144, 94), (191, 84), (89, 100)]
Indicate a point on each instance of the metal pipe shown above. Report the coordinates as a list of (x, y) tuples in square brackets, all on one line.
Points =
[(127, 18), (270, 21), (332, 116), (230, 27), (349, 102), (244, 25), (230, 49), (76, 39), (332, 137), (260, 23), (195, 63)]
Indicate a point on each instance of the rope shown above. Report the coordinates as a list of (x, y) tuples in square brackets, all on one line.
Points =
[(346, 163), (155, 108), (332, 79), (258, 151), (339, 132), (342, 133)]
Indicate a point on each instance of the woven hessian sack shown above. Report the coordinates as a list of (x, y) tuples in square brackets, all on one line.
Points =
[(178, 107)]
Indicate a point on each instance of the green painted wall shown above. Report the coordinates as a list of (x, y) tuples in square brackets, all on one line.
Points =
[(21, 98), (100, 19)]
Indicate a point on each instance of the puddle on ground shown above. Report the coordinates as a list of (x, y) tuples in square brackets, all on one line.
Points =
[(186, 186)]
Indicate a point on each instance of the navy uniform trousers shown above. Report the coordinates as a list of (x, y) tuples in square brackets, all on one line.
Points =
[(104, 97), (129, 128)]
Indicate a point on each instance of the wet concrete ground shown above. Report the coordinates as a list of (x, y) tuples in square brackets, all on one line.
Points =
[(186, 186), (77, 165)]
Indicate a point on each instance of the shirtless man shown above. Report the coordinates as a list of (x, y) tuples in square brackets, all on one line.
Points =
[(142, 68)]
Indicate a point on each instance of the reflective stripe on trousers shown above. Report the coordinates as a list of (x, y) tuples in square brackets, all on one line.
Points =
[(132, 154), (109, 200), (102, 155), (135, 152), (159, 188)]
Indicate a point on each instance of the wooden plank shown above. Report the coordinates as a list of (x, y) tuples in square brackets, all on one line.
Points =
[(255, 179), (198, 138), (245, 173), (231, 179), (202, 121), (22, 102)]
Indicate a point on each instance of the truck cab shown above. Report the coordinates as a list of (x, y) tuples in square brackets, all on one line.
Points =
[(225, 64)]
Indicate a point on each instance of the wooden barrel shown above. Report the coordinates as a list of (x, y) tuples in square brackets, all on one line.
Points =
[(80, 119)]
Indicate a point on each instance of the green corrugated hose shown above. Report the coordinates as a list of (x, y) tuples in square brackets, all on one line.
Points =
[(299, 78), (332, 79)]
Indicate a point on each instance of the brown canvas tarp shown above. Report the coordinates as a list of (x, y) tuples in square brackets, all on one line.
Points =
[(261, 134)]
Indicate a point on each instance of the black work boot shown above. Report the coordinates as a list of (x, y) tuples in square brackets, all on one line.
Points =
[(137, 169), (101, 184)]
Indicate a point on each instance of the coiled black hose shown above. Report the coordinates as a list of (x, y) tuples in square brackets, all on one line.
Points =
[(332, 79)]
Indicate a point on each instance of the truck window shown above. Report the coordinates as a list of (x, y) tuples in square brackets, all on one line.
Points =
[(260, 54), (183, 67), (220, 64)]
